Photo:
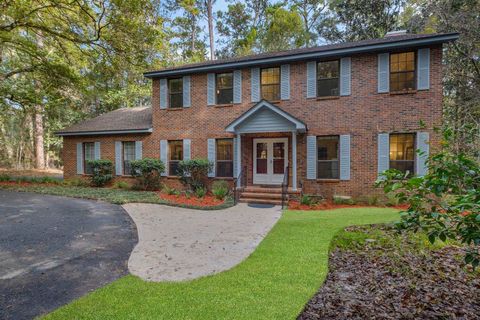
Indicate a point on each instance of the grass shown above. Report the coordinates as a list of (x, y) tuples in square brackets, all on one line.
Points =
[(275, 282), (116, 196)]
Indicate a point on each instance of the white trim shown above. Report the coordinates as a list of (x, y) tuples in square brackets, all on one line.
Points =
[(300, 126), (294, 161), (269, 176), (239, 159), (96, 133)]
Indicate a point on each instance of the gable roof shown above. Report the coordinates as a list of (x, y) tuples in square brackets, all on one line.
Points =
[(338, 49), (120, 121), (274, 120)]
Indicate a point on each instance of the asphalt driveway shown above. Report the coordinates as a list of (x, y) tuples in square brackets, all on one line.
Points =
[(56, 249)]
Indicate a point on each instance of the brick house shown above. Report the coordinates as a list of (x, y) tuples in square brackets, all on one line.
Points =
[(332, 117)]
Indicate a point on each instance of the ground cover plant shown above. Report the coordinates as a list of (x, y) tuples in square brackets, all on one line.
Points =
[(403, 274), (274, 282)]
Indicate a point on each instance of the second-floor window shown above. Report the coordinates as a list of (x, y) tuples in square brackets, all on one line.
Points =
[(128, 156), (402, 71), (402, 152), (175, 92), (328, 80), (224, 158), (88, 155), (224, 88), (328, 163), (175, 155), (270, 83)]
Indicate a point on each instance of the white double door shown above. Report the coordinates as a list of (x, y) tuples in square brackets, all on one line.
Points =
[(270, 160)]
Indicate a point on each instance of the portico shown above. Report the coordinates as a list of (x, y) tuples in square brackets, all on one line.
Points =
[(270, 135)]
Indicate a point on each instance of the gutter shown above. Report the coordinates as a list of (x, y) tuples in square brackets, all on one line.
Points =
[(310, 55), (102, 132)]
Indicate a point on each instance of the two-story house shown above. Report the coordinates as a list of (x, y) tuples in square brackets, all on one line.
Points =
[(332, 117)]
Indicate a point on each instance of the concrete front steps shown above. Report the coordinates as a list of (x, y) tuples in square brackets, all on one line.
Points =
[(264, 195)]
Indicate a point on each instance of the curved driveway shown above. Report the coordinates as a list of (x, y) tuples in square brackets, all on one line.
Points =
[(56, 249)]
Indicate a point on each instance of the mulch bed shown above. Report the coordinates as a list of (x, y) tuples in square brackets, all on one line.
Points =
[(207, 201), (329, 205), (370, 284)]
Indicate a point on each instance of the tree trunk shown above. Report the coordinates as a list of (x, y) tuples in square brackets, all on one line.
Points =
[(210, 29), (38, 138)]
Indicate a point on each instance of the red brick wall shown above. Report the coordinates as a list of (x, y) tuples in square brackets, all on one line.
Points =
[(363, 115)]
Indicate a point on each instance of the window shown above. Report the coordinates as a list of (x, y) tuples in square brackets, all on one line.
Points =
[(327, 157), (88, 154), (175, 90), (175, 148), (128, 156), (224, 85), (402, 152), (270, 84), (328, 80), (224, 158), (402, 71)]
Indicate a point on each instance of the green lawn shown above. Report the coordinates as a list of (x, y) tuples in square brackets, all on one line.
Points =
[(275, 282)]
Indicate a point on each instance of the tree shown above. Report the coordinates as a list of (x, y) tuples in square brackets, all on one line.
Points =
[(313, 13), (209, 14), (353, 20)]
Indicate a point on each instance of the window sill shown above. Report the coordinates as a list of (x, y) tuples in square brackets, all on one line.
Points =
[(223, 105), (395, 93), (328, 180), (327, 98), (222, 178), (172, 177), (174, 109)]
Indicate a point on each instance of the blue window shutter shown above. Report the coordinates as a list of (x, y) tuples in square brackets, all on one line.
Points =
[(211, 89), (138, 150), (186, 149), (383, 152), (163, 93), (211, 156), (255, 84), (345, 157), (237, 86), (79, 158), (186, 92), (163, 155), (383, 69), (423, 147), (345, 76), (311, 79), (97, 150), (118, 158), (311, 157), (235, 151), (285, 82), (423, 69)]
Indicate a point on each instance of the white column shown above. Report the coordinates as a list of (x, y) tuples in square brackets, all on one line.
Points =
[(239, 159), (294, 161)]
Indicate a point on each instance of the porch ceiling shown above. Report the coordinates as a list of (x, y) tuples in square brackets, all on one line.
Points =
[(266, 117)]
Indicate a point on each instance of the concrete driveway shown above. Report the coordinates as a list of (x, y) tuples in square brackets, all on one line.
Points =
[(56, 249)]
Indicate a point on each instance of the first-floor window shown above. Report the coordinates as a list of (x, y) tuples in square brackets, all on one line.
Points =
[(88, 155), (224, 158), (128, 156), (175, 155), (328, 163), (402, 152)]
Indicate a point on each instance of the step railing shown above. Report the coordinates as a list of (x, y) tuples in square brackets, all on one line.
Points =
[(242, 177), (285, 186)]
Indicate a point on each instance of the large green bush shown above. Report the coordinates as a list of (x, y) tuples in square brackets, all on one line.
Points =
[(445, 203), (194, 173), (102, 172), (148, 173)]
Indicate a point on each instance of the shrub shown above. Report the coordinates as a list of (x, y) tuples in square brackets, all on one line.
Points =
[(76, 182), (194, 173), (102, 172), (121, 185), (343, 200), (220, 189), (200, 192), (5, 177), (148, 173), (170, 191), (306, 200), (445, 203)]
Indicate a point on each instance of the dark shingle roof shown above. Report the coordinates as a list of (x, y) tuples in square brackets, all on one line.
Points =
[(259, 58), (124, 120)]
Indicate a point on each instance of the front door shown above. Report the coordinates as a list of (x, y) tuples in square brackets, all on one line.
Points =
[(270, 160)]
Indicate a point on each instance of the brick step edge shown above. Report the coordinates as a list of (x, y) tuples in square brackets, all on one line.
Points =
[(268, 190), (261, 195), (261, 201)]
